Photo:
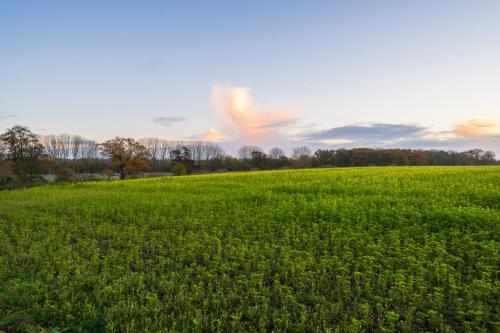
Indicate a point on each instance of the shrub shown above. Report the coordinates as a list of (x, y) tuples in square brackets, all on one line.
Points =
[(65, 174), (7, 175), (179, 169)]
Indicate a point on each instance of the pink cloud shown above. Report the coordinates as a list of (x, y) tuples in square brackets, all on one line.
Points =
[(246, 122), (213, 135), (475, 128)]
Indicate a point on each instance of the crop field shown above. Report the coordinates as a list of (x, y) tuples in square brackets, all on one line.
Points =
[(340, 250)]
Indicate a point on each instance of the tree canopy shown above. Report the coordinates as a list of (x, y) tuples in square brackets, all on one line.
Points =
[(127, 156), (24, 150)]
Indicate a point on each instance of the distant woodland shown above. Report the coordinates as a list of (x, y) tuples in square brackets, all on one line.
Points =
[(29, 159)]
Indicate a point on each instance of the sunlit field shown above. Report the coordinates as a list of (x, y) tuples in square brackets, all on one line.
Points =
[(341, 250)]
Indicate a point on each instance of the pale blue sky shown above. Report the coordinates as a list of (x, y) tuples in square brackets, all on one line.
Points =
[(107, 68)]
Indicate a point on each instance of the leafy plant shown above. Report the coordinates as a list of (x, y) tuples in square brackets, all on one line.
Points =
[(342, 250)]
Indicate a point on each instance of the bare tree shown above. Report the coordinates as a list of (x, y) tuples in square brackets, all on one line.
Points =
[(165, 147), (153, 145), (171, 145), (245, 152), (198, 149), (89, 149), (163, 151), (213, 151), (276, 152), (76, 144), (50, 145), (63, 145), (302, 151)]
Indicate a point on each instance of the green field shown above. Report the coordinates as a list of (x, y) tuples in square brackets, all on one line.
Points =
[(345, 250)]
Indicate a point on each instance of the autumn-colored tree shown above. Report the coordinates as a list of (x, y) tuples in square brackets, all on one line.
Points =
[(127, 156)]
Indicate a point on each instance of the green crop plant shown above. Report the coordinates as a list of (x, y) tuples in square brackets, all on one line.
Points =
[(340, 250)]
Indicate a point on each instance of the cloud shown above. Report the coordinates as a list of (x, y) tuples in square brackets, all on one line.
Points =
[(377, 132), (465, 143), (244, 122), (475, 128), (308, 126), (473, 134), (4, 116), (278, 124), (213, 135), (167, 121)]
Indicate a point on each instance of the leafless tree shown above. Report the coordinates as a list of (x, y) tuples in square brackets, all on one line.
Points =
[(153, 145), (213, 151), (276, 152), (198, 149), (89, 149), (302, 151), (76, 145), (64, 145), (163, 150), (245, 152), (50, 145), (165, 147)]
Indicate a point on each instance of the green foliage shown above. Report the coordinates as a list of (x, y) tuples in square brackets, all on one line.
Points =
[(179, 169), (340, 250), (24, 150)]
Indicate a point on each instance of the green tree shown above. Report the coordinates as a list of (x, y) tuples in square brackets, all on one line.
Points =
[(323, 157), (24, 150), (182, 156), (260, 160)]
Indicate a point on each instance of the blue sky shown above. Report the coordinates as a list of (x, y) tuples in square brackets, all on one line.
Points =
[(314, 72)]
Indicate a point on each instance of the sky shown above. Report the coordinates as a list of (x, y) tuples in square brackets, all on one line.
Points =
[(410, 74)]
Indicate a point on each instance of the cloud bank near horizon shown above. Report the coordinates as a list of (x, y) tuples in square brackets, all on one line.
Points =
[(241, 122), (475, 133)]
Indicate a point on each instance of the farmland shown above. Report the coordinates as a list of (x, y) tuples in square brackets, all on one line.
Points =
[(346, 250)]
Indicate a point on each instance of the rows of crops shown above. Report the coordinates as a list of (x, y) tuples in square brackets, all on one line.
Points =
[(374, 249)]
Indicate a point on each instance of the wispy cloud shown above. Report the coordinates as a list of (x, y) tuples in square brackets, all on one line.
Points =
[(244, 121), (167, 121), (278, 124), (4, 115), (308, 126)]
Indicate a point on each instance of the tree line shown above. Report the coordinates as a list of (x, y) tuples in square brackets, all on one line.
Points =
[(25, 156)]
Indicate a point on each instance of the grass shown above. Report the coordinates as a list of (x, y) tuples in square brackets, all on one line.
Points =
[(345, 250)]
